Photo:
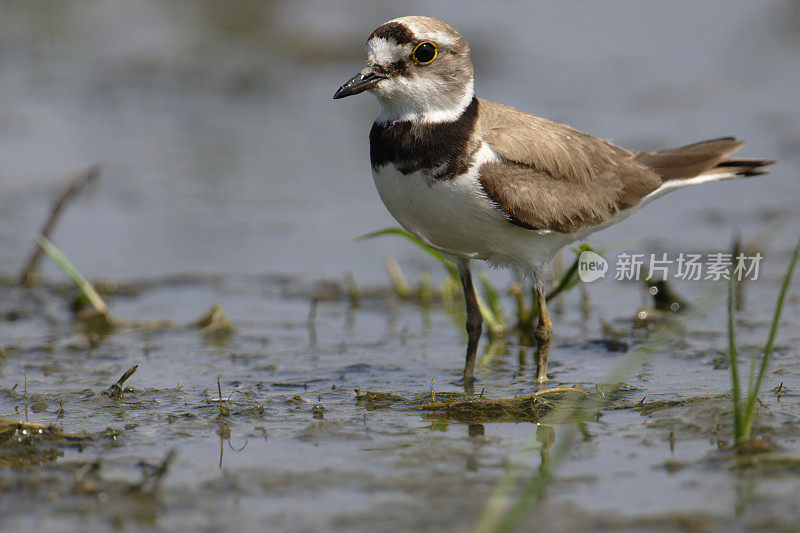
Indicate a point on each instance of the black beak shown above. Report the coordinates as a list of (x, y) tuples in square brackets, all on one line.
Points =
[(357, 84)]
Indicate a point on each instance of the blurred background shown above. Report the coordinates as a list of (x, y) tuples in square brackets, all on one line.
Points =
[(222, 149)]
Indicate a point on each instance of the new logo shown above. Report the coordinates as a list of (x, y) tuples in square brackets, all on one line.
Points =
[(591, 266)]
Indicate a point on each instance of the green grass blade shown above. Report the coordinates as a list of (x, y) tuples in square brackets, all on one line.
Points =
[(69, 269), (569, 277), (492, 322), (451, 268), (399, 283), (566, 280), (733, 356), (493, 299), (752, 393), (492, 307)]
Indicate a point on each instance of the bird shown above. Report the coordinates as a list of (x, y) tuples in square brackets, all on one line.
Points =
[(479, 180)]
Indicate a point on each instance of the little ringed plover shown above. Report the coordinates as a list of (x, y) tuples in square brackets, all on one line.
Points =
[(476, 179)]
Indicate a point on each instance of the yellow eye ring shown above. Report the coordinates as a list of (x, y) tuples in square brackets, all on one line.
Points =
[(422, 53)]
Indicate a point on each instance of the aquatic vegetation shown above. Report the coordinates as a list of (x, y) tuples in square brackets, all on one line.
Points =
[(115, 390), (489, 299), (86, 288), (26, 444), (471, 408), (73, 187), (491, 313), (744, 408), (214, 325)]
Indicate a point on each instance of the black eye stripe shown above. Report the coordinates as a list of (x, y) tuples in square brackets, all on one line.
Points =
[(398, 67)]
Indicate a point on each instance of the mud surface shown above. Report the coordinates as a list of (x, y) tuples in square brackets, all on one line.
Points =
[(200, 116), (293, 445)]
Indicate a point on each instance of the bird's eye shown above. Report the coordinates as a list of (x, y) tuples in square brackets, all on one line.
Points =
[(424, 53)]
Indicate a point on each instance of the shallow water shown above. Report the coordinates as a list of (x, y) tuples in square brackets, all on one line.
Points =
[(223, 153)]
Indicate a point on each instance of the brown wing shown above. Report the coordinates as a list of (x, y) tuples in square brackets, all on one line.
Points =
[(554, 177)]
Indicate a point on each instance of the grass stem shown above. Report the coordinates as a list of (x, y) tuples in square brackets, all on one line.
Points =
[(69, 269), (733, 356), (753, 389), (77, 182)]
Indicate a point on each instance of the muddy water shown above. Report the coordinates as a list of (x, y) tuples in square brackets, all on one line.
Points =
[(223, 154)]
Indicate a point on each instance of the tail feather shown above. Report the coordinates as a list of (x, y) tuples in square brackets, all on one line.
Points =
[(701, 159), (743, 167)]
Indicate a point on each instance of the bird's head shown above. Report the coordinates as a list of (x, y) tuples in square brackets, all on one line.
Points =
[(419, 68)]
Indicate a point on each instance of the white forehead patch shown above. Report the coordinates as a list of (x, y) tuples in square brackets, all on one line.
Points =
[(442, 39), (439, 37), (384, 52)]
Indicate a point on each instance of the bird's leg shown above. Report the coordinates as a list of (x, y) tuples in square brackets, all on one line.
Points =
[(543, 333), (474, 320)]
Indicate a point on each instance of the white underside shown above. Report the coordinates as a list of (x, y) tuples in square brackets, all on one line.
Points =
[(456, 217)]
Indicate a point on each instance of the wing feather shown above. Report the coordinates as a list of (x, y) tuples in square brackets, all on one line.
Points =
[(554, 177)]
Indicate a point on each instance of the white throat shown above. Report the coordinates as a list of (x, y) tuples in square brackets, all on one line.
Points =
[(441, 106)]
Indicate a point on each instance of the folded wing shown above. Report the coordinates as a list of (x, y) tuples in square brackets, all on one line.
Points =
[(553, 177)]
